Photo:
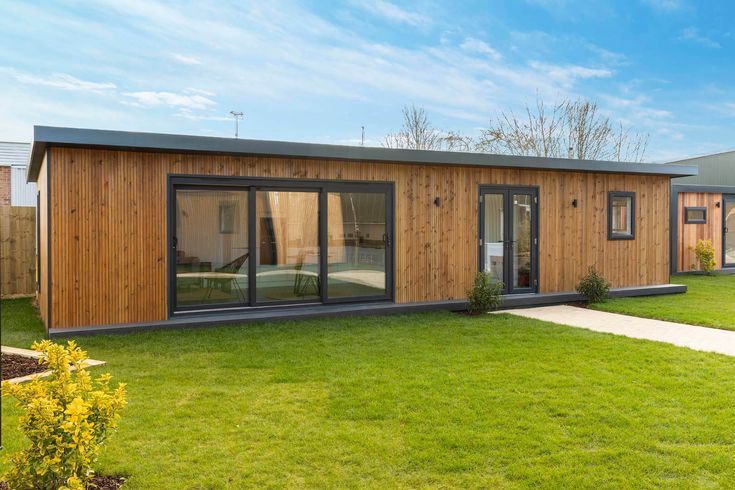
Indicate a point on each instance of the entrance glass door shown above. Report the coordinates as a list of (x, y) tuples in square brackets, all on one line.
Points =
[(728, 231), (508, 241)]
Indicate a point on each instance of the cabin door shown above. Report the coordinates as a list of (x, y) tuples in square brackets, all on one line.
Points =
[(509, 237), (728, 230)]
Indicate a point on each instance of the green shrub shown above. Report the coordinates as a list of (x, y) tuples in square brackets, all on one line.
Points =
[(484, 295), (67, 417), (705, 253), (593, 286)]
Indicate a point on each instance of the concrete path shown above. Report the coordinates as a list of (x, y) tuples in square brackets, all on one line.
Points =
[(698, 338)]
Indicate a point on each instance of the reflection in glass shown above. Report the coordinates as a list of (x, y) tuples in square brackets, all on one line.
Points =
[(356, 232), (521, 241), (493, 237), (287, 238), (621, 215), (211, 254), (730, 234)]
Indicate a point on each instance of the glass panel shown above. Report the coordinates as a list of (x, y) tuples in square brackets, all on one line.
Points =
[(493, 236), (287, 237), (730, 233), (356, 234), (521, 241), (212, 247), (621, 215)]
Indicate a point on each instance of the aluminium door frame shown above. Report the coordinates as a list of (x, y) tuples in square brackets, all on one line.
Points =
[(725, 199), (507, 191), (252, 185)]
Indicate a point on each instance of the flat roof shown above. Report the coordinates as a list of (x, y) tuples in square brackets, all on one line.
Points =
[(45, 136)]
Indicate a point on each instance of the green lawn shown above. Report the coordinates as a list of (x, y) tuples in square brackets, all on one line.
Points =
[(21, 326), (429, 400), (709, 301)]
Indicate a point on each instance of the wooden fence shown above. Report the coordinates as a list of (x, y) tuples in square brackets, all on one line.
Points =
[(17, 251)]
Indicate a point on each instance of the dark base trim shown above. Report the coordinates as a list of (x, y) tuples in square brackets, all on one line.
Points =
[(381, 308), (723, 271)]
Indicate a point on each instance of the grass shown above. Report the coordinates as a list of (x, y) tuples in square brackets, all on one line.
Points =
[(429, 400), (709, 301), (21, 326)]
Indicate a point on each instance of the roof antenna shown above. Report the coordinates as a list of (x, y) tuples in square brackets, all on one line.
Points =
[(237, 116), (362, 140)]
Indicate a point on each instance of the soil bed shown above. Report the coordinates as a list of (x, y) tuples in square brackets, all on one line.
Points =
[(97, 483), (15, 366)]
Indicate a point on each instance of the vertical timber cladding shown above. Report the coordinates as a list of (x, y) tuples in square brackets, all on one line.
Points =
[(43, 214), (109, 226), (690, 233)]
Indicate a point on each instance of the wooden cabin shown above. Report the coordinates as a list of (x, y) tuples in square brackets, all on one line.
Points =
[(703, 208), (149, 230)]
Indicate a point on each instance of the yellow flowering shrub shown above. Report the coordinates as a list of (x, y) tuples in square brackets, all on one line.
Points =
[(705, 253), (67, 417)]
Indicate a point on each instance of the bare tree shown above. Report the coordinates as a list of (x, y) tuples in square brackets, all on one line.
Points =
[(418, 133), (571, 129)]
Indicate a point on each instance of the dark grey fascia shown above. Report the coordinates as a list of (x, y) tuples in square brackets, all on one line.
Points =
[(45, 136)]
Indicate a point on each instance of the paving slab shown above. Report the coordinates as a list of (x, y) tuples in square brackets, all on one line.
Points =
[(697, 338)]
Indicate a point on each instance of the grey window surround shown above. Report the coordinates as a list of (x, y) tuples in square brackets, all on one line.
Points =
[(695, 221), (611, 235)]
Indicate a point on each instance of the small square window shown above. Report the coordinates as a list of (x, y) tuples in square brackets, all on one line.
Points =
[(621, 216), (695, 215)]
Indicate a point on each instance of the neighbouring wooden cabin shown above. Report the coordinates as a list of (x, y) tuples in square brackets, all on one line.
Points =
[(153, 230), (703, 208)]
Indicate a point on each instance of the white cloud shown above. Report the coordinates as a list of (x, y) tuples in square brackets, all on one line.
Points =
[(59, 80), (186, 60), (478, 46), (568, 74), (188, 114), (665, 5), (692, 34), (607, 56), (392, 12), (192, 90), (170, 99)]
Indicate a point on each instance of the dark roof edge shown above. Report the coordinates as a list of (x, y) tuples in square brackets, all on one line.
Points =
[(44, 136)]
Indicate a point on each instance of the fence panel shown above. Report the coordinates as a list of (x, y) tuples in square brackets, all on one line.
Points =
[(17, 251)]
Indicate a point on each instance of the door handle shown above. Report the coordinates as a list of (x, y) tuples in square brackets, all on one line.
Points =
[(174, 242)]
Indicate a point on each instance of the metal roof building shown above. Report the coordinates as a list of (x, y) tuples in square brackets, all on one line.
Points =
[(16, 156)]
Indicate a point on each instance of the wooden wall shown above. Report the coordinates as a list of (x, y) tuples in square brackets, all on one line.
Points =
[(17, 251), (690, 233), (43, 291), (109, 226)]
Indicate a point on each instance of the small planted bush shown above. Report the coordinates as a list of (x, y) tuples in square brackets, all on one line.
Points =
[(66, 418), (484, 295), (705, 252), (593, 286)]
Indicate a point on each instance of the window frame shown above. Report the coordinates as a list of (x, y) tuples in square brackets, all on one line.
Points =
[(253, 185), (688, 221), (611, 235)]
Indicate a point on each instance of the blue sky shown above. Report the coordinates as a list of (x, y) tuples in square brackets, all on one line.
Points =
[(316, 71)]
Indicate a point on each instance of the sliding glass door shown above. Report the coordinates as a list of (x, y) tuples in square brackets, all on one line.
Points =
[(249, 242), (357, 231), (287, 231), (508, 237), (211, 247)]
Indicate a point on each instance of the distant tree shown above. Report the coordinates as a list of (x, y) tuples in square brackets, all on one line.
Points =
[(571, 129), (418, 133)]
